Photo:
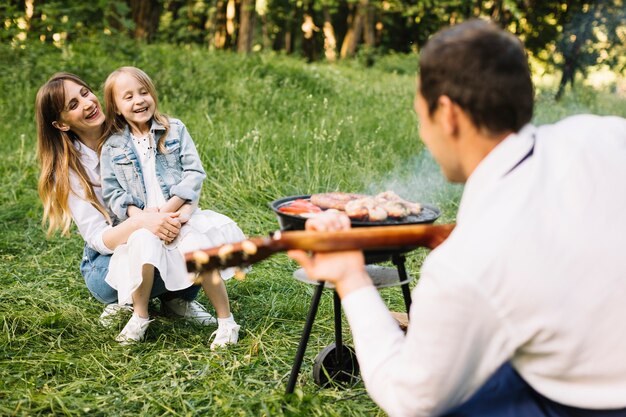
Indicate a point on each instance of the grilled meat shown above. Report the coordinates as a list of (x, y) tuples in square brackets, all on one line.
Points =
[(364, 207), (336, 200)]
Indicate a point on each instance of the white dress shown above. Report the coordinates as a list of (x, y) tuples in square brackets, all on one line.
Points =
[(204, 229)]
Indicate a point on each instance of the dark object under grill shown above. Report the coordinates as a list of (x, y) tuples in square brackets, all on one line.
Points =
[(286, 221)]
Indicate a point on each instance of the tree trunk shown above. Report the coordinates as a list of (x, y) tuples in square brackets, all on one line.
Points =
[(355, 29), (219, 26), (231, 11), (347, 40), (309, 45), (246, 27), (330, 41), (290, 30), (146, 16), (369, 32), (261, 11), (572, 56)]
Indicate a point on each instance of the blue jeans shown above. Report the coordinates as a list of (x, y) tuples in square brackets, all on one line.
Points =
[(94, 268), (506, 394)]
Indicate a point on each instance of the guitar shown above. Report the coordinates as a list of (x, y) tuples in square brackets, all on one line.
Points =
[(250, 251)]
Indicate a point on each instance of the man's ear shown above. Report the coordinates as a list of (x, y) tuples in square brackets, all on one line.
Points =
[(61, 126), (448, 113)]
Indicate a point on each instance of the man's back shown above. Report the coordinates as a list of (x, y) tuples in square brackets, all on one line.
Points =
[(545, 215)]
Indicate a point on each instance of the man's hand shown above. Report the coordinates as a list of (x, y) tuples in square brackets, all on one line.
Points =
[(346, 270)]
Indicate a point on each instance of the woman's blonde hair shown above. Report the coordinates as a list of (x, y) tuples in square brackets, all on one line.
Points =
[(115, 122), (58, 155)]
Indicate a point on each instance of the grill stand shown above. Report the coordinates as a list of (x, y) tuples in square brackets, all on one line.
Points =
[(335, 364)]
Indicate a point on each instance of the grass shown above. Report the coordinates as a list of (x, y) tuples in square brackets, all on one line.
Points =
[(266, 126)]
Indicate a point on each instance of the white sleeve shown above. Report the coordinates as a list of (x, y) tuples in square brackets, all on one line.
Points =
[(453, 345), (90, 222)]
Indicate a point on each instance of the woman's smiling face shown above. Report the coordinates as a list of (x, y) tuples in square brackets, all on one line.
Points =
[(81, 112)]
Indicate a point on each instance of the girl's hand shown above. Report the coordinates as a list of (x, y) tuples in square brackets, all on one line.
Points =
[(185, 212), (346, 270), (165, 226), (151, 210)]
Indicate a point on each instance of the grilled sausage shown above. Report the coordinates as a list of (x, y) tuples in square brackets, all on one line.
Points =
[(335, 200)]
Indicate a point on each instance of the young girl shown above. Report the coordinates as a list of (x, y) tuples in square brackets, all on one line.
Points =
[(149, 163)]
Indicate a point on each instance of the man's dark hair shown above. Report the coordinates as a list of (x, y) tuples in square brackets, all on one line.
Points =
[(484, 70)]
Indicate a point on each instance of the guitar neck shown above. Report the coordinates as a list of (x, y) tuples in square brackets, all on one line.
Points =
[(368, 238), (253, 250)]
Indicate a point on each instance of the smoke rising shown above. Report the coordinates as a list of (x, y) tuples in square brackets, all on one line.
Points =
[(420, 179)]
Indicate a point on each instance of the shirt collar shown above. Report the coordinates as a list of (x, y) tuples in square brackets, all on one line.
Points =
[(88, 157), (505, 156)]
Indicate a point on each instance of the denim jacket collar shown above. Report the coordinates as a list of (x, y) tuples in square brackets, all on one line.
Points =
[(154, 127)]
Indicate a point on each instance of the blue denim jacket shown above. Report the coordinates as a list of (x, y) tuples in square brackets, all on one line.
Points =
[(179, 170)]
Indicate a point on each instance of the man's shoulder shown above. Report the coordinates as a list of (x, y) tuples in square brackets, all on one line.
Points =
[(586, 124), (582, 133)]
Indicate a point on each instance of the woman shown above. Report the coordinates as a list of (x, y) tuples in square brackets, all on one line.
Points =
[(70, 124)]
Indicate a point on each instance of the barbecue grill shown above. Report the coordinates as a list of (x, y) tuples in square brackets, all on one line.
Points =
[(337, 362), (428, 215)]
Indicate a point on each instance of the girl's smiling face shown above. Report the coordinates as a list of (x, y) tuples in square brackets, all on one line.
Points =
[(134, 102)]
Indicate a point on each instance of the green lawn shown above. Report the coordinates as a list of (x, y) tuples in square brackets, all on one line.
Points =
[(266, 126)]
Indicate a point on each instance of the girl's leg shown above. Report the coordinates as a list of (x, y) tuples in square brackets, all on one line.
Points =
[(215, 290), (141, 296), (135, 329), (227, 329)]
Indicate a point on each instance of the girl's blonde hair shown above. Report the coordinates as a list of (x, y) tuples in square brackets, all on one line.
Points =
[(58, 155), (115, 122)]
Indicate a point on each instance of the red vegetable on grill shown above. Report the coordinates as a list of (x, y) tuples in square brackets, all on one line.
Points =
[(300, 207)]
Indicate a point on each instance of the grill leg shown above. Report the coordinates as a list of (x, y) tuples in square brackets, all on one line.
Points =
[(398, 260), (338, 339), (304, 339)]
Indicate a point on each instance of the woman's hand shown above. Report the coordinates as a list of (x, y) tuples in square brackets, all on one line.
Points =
[(346, 270)]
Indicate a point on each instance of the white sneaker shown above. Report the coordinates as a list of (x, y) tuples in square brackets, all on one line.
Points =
[(226, 333), (134, 331), (190, 310), (107, 318)]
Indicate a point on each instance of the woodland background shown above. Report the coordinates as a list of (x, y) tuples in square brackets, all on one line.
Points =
[(568, 37)]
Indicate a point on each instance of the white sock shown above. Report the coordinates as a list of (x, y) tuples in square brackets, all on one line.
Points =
[(141, 318), (227, 320)]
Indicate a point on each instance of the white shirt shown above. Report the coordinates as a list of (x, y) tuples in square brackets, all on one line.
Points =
[(534, 273), (90, 222), (146, 150)]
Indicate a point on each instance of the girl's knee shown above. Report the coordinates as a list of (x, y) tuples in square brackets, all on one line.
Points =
[(143, 238)]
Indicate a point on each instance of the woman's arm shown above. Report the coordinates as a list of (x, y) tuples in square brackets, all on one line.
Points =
[(100, 235), (163, 225)]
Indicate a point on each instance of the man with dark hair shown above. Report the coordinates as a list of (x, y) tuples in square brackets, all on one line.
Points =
[(522, 310)]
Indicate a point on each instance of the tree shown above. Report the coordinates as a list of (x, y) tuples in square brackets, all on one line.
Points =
[(246, 26), (595, 35), (145, 14)]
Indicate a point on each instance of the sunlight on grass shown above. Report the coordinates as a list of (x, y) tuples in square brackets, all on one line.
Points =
[(266, 126)]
